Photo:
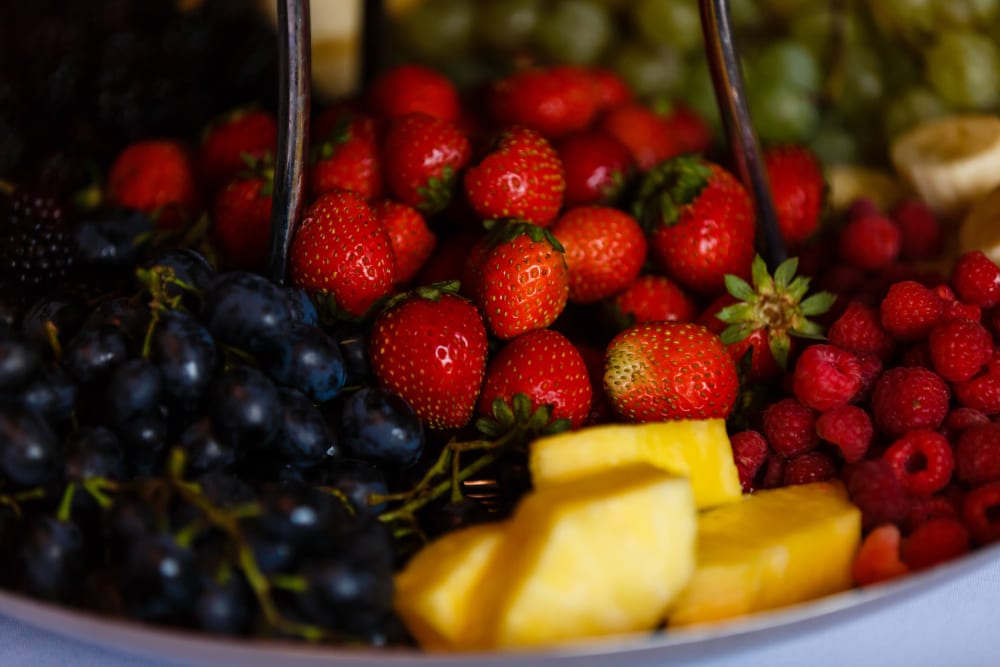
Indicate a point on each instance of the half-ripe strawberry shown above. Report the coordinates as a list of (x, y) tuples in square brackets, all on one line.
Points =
[(605, 249), (555, 101), (700, 222), (412, 241), (241, 217), (544, 366), (413, 88), (597, 167), (798, 188), (518, 278), (421, 158), (230, 139), (347, 159), (340, 248), (429, 346), (654, 298), (521, 178), (659, 371), (644, 132)]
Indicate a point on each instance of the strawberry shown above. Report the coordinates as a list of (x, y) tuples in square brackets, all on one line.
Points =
[(654, 298), (517, 276), (414, 88), (610, 89), (545, 367), (700, 222), (597, 167), (340, 248), (449, 259), (605, 249), (521, 178), (643, 132), (156, 177), (412, 241), (421, 157), (554, 101), (347, 159), (241, 217), (659, 371), (429, 346), (231, 139), (690, 130), (798, 189)]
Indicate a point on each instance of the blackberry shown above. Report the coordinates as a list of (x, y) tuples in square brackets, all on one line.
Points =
[(37, 246)]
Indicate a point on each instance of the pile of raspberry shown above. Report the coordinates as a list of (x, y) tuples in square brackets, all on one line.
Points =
[(901, 401)]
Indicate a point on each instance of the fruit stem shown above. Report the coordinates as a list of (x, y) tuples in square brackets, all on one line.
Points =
[(14, 501), (66, 504), (52, 337)]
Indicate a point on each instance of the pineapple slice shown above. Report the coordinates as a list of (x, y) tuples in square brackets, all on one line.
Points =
[(698, 449), (437, 588), (594, 556), (776, 548)]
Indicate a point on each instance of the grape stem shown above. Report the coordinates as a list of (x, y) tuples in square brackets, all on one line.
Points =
[(14, 501)]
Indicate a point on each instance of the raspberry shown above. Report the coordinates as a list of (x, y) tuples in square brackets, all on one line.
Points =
[(933, 542), (871, 369), (919, 228), (826, 377), (907, 399), (960, 419), (976, 279), (875, 489), (862, 207), (980, 393), (870, 242), (922, 460), (749, 453), (849, 429), (774, 471), (878, 557), (910, 310), (859, 330), (977, 455), (959, 348), (807, 468), (981, 513), (790, 427), (925, 509), (955, 309)]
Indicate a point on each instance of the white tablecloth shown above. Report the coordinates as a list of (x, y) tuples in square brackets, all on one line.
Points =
[(957, 625)]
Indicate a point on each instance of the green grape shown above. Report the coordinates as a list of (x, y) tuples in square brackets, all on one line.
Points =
[(911, 107), (438, 30), (966, 13), (507, 24), (782, 113), (788, 63), (835, 144), (574, 31), (673, 23), (649, 70), (746, 15), (910, 19), (786, 9), (814, 28), (963, 67), (862, 86)]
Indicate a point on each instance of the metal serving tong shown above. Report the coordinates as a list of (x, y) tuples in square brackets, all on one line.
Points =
[(294, 106)]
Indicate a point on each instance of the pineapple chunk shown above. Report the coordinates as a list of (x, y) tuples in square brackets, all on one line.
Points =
[(698, 449), (777, 547), (594, 556), (436, 589)]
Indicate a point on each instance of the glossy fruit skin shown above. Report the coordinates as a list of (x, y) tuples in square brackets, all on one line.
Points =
[(304, 437), (245, 310), (597, 168), (546, 367), (421, 159), (378, 425), (241, 222), (189, 266), (185, 353), (52, 558), (358, 480), (348, 159), (94, 353), (50, 394), (92, 453), (245, 407), (204, 450), (109, 239), (643, 132), (655, 298), (231, 139), (554, 101), (19, 360), (798, 189), (433, 354), (135, 387), (155, 176), (414, 88), (412, 240), (29, 451), (159, 579), (340, 248), (308, 360)]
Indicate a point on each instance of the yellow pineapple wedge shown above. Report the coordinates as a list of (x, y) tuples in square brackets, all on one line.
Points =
[(598, 555), (698, 449), (777, 547), (437, 588)]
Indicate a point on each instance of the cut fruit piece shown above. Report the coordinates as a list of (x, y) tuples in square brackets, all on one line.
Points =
[(850, 182), (775, 548), (600, 555), (698, 449), (951, 162), (438, 587), (979, 229)]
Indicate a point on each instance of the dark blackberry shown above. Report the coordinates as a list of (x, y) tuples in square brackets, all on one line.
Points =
[(37, 246)]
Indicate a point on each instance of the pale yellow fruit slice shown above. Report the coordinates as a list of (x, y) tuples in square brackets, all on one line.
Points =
[(698, 449), (775, 548), (980, 230), (437, 588), (600, 555), (848, 183)]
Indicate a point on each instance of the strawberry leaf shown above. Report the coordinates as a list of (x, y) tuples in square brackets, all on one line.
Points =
[(522, 407), (540, 418), (734, 333), (489, 427), (762, 280), (736, 313), (435, 195), (556, 426), (808, 329), (738, 288), (780, 345), (785, 272), (502, 412), (818, 303)]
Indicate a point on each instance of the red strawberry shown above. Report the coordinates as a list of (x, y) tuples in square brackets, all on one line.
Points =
[(554, 101), (544, 366), (412, 241), (414, 88), (449, 259), (691, 131), (241, 218), (518, 278), (231, 139), (341, 248), (644, 132), (669, 370), (155, 177), (700, 222), (421, 157), (605, 249), (597, 167), (610, 89), (347, 159), (522, 178), (798, 189), (653, 298), (429, 346)]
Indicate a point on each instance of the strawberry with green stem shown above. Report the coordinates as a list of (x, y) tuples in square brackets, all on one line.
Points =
[(347, 158)]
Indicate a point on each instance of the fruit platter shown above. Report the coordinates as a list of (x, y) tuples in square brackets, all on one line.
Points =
[(530, 378)]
